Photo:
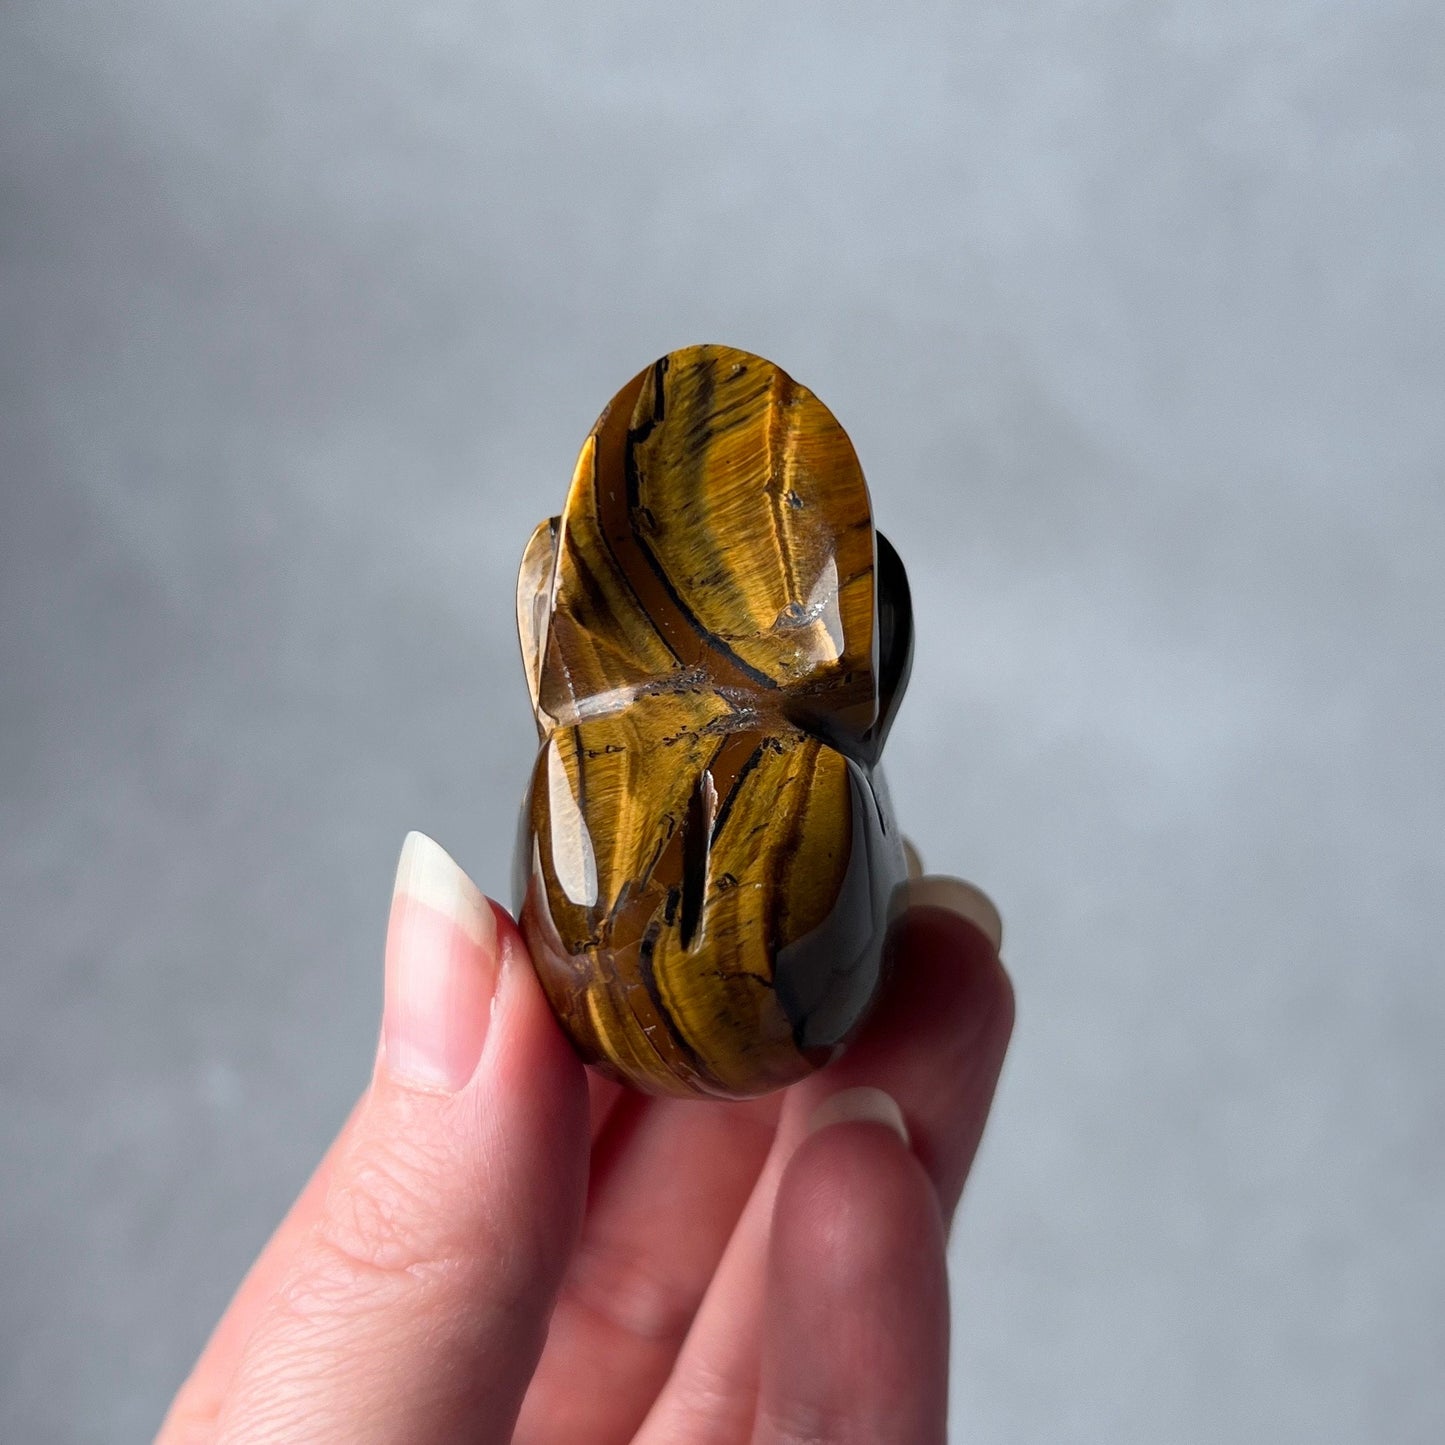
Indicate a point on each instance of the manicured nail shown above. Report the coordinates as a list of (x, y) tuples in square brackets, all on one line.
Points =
[(849, 1106), (911, 858), (961, 898), (441, 970)]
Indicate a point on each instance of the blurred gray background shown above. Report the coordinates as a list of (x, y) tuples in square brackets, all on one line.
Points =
[(1136, 314)]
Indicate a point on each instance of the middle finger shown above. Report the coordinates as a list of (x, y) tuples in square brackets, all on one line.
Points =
[(670, 1178)]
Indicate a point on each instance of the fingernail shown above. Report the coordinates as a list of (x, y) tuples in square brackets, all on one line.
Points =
[(868, 1105), (961, 898), (441, 970), (911, 858)]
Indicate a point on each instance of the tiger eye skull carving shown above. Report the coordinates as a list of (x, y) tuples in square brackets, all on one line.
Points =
[(716, 640)]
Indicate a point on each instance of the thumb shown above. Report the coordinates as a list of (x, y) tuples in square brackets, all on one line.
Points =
[(414, 1304)]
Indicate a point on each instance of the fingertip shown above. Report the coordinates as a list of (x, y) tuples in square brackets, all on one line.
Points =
[(861, 1104), (963, 899), (846, 1190), (523, 1002), (427, 874), (528, 1067), (857, 1296), (440, 970), (945, 948)]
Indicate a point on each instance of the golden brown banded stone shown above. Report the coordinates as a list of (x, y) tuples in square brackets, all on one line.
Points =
[(715, 640)]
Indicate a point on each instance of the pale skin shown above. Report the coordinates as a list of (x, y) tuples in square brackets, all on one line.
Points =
[(501, 1246)]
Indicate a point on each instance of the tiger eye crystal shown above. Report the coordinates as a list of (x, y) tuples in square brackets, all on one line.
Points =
[(716, 640)]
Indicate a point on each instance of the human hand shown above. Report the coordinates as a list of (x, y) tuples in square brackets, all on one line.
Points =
[(499, 1242)]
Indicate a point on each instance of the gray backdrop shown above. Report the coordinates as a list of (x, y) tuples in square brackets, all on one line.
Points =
[(1136, 314)]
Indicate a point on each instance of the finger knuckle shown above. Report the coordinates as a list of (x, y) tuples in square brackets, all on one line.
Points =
[(400, 1221), (623, 1288), (377, 1215)]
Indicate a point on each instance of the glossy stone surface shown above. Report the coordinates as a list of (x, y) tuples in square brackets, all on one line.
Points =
[(715, 640)]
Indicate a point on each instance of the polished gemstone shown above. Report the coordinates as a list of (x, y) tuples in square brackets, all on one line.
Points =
[(715, 640)]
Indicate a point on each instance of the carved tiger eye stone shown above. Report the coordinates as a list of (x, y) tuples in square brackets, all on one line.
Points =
[(716, 640)]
